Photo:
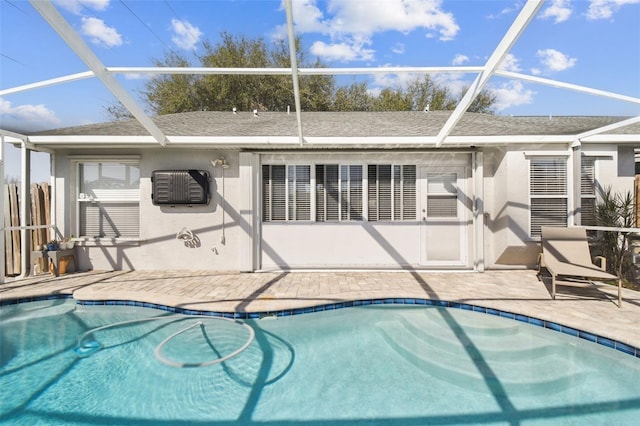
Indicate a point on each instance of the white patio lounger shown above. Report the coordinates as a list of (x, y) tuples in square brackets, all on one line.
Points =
[(565, 252)]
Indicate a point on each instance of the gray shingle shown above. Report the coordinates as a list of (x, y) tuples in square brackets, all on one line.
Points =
[(347, 124)]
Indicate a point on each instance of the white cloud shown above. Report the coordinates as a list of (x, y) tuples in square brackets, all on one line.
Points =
[(136, 76), (381, 81), (536, 71), (460, 59), (559, 10), (398, 48), (348, 22), (185, 35), (77, 6), (510, 94), (604, 9), (341, 51), (555, 60), (100, 33), (507, 10), (510, 63), (27, 118)]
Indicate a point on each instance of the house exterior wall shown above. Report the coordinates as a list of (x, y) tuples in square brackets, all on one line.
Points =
[(230, 235), (368, 244), (158, 247), (508, 242)]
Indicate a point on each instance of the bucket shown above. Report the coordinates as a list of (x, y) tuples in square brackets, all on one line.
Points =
[(62, 265)]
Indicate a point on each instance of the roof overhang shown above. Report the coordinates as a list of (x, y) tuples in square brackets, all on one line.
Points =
[(268, 142)]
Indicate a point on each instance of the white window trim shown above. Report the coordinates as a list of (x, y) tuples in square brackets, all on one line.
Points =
[(596, 195), (75, 161), (313, 181), (568, 189)]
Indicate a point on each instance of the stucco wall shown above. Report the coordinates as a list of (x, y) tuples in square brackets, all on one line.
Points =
[(363, 244), (158, 247), (508, 243), (306, 245)]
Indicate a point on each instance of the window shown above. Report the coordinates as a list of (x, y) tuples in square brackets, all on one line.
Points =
[(286, 192), (587, 192), (108, 199), (548, 193), (338, 191), (442, 195), (299, 180), (404, 192), (392, 192)]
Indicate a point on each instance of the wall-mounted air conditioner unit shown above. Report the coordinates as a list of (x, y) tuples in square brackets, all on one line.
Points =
[(173, 187)]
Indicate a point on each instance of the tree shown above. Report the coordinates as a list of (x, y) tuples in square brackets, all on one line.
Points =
[(416, 96), (483, 102), (173, 93), (355, 97), (170, 93), (265, 92), (392, 100), (116, 111)]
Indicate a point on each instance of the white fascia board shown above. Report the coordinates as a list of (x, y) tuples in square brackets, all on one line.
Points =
[(50, 82), (91, 140), (612, 139), (183, 141), (508, 140), (604, 129), (234, 140), (133, 141), (12, 137), (369, 140)]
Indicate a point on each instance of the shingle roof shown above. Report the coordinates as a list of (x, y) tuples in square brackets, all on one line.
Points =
[(347, 124)]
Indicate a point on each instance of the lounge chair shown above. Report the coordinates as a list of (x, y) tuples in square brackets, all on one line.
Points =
[(565, 252)]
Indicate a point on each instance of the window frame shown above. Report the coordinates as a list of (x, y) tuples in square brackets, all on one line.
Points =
[(549, 195), (344, 183), (76, 162), (592, 196)]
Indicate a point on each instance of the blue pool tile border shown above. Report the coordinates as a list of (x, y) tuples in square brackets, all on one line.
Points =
[(610, 343)]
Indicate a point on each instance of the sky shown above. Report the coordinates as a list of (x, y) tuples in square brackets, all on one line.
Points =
[(593, 43)]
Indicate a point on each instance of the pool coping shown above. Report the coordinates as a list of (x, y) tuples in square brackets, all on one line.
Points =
[(243, 315)]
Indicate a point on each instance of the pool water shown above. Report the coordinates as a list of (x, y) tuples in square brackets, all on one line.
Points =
[(379, 364)]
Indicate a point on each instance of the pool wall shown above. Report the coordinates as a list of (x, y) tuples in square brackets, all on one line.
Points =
[(614, 344)]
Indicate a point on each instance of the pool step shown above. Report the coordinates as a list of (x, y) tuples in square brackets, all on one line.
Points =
[(467, 320), (480, 370), (448, 336)]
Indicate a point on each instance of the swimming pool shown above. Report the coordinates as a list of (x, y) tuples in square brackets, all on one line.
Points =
[(376, 364)]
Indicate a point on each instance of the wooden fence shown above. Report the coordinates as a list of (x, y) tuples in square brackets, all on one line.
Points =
[(40, 214)]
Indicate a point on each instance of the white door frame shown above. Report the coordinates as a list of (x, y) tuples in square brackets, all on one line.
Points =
[(463, 218)]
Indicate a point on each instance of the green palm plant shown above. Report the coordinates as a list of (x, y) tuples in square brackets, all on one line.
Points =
[(615, 210)]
